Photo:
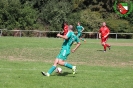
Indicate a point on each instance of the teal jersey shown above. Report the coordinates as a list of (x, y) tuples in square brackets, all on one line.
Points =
[(79, 28), (71, 38), (65, 51)]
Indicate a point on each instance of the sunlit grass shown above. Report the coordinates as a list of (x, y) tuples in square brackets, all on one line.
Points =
[(22, 60)]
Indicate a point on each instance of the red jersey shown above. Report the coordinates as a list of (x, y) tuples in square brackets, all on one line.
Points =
[(104, 30), (65, 30)]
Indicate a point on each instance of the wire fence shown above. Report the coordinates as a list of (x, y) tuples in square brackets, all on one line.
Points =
[(37, 33)]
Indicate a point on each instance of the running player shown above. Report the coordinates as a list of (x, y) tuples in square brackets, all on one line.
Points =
[(80, 29), (103, 35), (65, 28), (69, 38)]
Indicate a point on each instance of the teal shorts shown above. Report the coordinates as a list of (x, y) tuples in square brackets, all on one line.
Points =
[(63, 54), (79, 35)]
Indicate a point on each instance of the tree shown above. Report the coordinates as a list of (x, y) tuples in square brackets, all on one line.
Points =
[(118, 25), (54, 13), (91, 20), (14, 15)]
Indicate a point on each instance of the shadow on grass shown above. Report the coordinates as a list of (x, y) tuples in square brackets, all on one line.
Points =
[(65, 74), (100, 50), (61, 74)]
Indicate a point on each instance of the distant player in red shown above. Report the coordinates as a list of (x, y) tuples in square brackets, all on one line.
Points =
[(103, 35), (65, 28)]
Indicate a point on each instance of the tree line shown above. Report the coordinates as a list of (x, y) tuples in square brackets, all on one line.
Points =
[(48, 15)]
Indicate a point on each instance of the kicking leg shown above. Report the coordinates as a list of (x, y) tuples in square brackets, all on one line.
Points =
[(51, 69), (61, 62)]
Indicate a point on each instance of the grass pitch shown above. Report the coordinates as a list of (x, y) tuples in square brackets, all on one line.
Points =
[(22, 60)]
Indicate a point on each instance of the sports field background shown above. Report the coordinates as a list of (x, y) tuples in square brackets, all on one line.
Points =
[(23, 58)]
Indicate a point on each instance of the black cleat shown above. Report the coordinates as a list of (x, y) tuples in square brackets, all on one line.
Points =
[(45, 74), (109, 47)]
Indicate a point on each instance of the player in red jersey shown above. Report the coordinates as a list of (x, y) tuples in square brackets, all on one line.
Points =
[(103, 35), (65, 28)]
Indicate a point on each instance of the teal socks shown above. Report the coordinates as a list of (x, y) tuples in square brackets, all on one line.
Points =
[(54, 67), (82, 39), (51, 69), (68, 65)]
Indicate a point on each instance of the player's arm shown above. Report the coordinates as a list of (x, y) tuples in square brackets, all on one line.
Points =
[(62, 32), (99, 35), (106, 35), (82, 29), (62, 36), (76, 47)]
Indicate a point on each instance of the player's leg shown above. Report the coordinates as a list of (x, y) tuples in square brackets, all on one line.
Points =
[(52, 68), (107, 45), (62, 59), (103, 43), (83, 39), (80, 35), (71, 67), (63, 63), (68, 65)]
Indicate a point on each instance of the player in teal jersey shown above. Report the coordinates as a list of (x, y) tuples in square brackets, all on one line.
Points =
[(69, 38), (80, 29)]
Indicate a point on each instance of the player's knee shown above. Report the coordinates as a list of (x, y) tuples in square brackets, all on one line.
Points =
[(60, 62), (103, 44)]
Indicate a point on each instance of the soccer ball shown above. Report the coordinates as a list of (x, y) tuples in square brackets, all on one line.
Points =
[(58, 70)]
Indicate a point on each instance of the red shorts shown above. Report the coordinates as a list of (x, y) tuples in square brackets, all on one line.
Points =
[(104, 40)]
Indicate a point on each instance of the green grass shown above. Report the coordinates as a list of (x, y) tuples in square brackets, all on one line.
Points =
[(23, 59)]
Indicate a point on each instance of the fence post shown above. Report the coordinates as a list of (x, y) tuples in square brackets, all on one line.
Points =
[(20, 33), (97, 35), (40, 34), (116, 36), (0, 32)]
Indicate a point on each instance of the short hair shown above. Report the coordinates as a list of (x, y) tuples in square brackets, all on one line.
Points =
[(104, 23), (65, 22), (70, 27)]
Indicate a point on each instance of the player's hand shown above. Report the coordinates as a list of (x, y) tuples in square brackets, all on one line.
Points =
[(73, 50), (58, 35), (62, 32), (105, 36)]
